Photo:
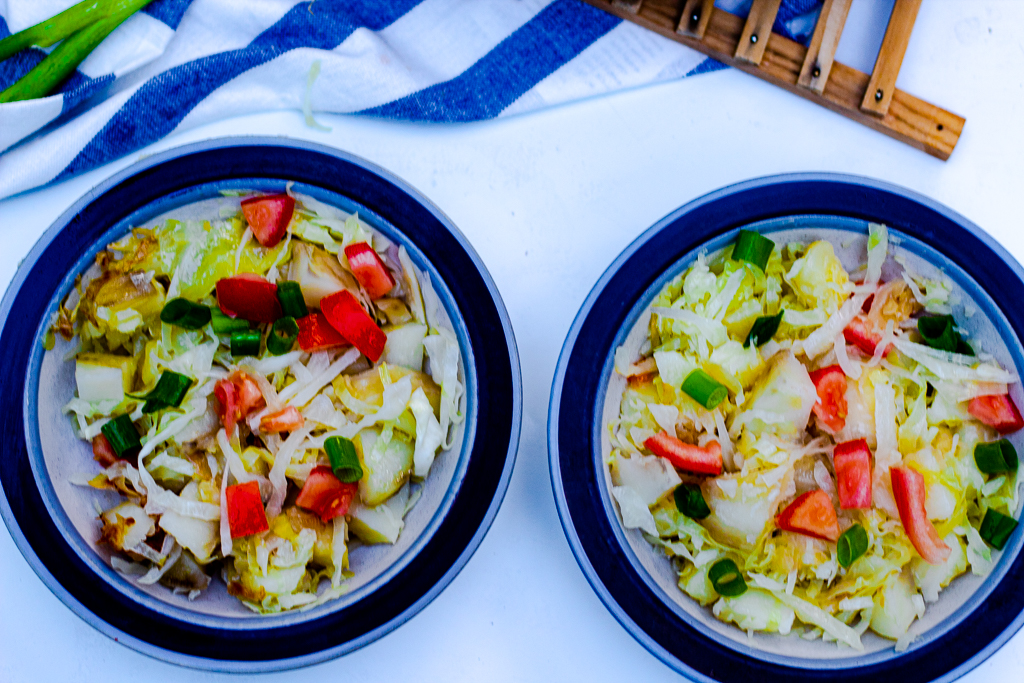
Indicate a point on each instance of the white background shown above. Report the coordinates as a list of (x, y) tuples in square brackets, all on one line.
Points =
[(549, 199)]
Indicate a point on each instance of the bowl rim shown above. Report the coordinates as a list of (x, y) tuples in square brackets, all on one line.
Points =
[(629, 598), (395, 200)]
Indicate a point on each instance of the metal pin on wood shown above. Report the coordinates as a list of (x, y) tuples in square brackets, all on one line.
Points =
[(753, 37), (879, 95)]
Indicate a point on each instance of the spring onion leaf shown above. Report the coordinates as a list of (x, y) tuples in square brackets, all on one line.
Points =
[(344, 460), (169, 392), (185, 314), (245, 343), (852, 544), (225, 324), (60, 26), (753, 247), (690, 501), (996, 528), (763, 330), (996, 457), (282, 336), (290, 295), (726, 579), (122, 435), (704, 389)]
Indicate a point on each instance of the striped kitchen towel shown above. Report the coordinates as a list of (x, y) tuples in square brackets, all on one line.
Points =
[(181, 63)]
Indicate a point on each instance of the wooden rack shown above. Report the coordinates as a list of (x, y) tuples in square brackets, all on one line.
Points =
[(811, 72)]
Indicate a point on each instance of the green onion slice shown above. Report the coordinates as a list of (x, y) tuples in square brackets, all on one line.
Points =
[(169, 392), (852, 544), (282, 336), (726, 579), (704, 389), (690, 501), (764, 329), (245, 343), (964, 348), (290, 295), (122, 435), (996, 528), (939, 332), (754, 248), (224, 324), (185, 314), (996, 457), (344, 461)]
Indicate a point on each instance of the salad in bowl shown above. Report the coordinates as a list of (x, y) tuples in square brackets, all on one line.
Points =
[(817, 448), (263, 392)]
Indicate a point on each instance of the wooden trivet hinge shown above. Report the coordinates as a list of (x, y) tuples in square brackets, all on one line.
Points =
[(811, 72)]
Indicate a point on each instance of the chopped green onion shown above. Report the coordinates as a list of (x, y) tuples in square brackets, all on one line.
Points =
[(122, 435), (690, 501), (964, 348), (282, 336), (224, 324), (245, 343), (704, 389), (344, 460), (996, 457), (169, 392), (726, 579), (753, 247), (939, 332), (60, 26), (290, 295), (764, 329), (185, 314), (852, 544), (996, 528)]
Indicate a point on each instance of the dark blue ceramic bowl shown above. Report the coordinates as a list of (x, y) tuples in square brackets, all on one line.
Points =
[(972, 618), (52, 521)]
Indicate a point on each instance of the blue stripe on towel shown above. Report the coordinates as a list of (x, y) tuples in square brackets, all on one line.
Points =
[(156, 108), (557, 34), (168, 11)]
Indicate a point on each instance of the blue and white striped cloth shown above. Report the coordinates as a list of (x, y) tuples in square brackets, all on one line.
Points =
[(181, 63)]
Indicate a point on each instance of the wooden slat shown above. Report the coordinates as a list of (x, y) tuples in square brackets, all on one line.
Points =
[(757, 31), (822, 50), (628, 5), (890, 57), (917, 123), (701, 9)]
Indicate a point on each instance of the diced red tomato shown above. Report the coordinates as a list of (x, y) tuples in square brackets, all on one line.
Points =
[(852, 462), (249, 297), (831, 407), (268, 217), (316, 334), (862, 334), (103, 452), (909, 491), (811, 514), (371, 272), (286, 420), (707, 460), (246, 514), (997, 411), (354, 324), (325, 494), (238, 396)]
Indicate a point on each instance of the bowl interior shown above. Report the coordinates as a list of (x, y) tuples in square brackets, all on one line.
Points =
[(59, 458), (986, 327)]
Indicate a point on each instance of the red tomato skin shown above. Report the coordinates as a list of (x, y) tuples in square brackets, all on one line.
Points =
[(246, 515), (862, 334), (909, 491), (707, 460), (831, 407), (316, 334), (249, 297), (238, 396), (286, 420), (369, 270), (852, 463), (326, 495), (268, 217), (997, 411), (227, 398), (811, 514), (103, 452), (345, 315)]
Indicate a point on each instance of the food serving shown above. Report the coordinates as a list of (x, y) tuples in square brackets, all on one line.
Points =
[(815, 448), (256, 387)]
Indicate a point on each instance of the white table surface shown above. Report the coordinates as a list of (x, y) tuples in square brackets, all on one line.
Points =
[(548, 200)]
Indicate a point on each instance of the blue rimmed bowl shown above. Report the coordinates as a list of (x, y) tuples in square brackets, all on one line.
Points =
[(53, 522), (974, 615)]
